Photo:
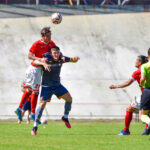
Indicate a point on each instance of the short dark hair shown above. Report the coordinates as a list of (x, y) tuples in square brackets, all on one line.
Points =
[(143, 59), (148, 52), (45, 30), (55, 48)]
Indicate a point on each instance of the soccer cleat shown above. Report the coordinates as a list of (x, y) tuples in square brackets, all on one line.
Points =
[(32, 116), (146, 131), (18, 113), (124, 132), (34, 131), (66, 121)]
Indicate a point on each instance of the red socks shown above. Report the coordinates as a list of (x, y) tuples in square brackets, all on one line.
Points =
[(25, 96), (128, 119), (146, 125), (34, 99)]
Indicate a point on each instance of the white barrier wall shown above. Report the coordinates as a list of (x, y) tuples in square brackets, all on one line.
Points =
[(107, 45)]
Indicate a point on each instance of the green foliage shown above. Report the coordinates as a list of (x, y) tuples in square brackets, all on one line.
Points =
[(82, 136)]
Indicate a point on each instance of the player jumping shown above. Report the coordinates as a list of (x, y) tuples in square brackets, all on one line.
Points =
[(135, 105), (51, 85), (33, 74)]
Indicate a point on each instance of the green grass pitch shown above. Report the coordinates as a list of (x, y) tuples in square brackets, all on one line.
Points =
[(82, 136)]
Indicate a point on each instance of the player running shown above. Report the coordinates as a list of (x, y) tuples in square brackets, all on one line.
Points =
[(51, 85), (33, 74), (145, 98), (135, 105)]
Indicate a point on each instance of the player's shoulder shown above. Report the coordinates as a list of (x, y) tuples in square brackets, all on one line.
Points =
[(146, 65), (37, 42), (138, 71), (52, 43)]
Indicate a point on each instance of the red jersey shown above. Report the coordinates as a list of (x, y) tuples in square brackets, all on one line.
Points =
[(39, 48), (136, 76)]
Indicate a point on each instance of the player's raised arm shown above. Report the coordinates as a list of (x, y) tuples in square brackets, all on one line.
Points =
[(71, 59), (74, 59), (125, 84), (40, 63)]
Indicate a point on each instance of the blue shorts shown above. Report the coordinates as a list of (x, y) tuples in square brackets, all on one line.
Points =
[(47, 92), (27, 106), (145, 99)]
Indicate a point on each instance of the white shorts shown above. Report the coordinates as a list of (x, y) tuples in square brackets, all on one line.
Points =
[(33, 78), (136, 103)]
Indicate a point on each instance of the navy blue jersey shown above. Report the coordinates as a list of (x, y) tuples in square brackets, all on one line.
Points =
[(52, 78)]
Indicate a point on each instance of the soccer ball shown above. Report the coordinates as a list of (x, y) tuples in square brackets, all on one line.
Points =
[(56, 18)]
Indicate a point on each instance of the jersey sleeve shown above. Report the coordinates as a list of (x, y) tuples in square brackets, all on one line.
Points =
[(33, 49), (67, 59), (134, 76), (52, 43)]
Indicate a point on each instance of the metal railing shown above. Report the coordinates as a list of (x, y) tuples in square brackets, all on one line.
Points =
[(77, 2), (71, 2)]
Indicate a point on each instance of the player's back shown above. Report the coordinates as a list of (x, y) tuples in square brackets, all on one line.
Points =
[(145, 69)]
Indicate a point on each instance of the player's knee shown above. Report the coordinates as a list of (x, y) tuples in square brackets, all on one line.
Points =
[(42, 104), (23, 89), (69, 99), (29, 91), (130, 109), (36, 93)]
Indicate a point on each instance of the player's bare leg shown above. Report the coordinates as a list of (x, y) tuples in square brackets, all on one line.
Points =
[(128, 119), (68, 104)]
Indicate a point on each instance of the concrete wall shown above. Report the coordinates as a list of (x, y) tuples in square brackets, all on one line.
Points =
[(108, 46)]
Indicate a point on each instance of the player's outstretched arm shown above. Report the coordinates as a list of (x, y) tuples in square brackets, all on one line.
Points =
[(74, 59), (125, 84), (40, 63)]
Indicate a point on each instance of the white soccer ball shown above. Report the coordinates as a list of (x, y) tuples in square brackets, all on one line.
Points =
[(56, 18)]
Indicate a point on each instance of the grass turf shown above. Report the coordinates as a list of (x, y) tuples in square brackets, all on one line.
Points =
[(82, 136)]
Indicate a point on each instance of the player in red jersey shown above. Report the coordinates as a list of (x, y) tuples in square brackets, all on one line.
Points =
[(33, 74), (135, 105)]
